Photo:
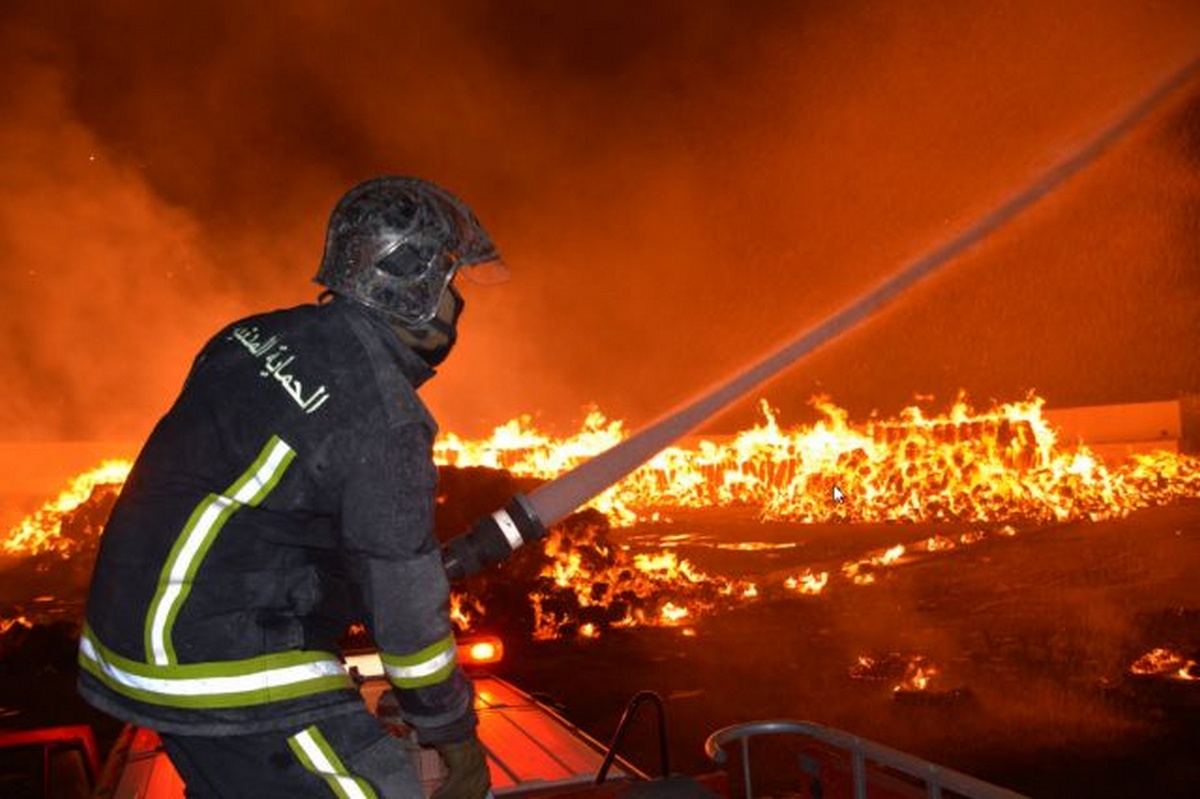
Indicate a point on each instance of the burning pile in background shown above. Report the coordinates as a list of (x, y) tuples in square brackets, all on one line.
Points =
[(1000, 465), (991, 470), (46, 531), (1167, 663)]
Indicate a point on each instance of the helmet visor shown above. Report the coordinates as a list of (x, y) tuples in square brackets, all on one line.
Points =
[(486, 273)]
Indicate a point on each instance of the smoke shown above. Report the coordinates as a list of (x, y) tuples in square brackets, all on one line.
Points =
[(676, 186), (100, 281)]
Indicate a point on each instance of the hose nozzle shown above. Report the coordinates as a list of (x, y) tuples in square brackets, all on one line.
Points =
[(492, 539)]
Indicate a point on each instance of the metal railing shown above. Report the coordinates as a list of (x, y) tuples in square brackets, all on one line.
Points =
[(936, 778), (631, 709)]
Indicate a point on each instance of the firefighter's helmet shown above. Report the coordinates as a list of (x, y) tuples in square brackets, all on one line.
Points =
[(395, 243)]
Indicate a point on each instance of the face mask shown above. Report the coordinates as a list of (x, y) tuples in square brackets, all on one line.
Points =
[(441, 332)]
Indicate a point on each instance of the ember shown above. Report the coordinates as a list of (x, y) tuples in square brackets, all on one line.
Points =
[(1163, 662), (904, 672), (8, 624)]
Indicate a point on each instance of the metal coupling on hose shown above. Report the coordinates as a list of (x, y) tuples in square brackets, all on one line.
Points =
[(493, 538)]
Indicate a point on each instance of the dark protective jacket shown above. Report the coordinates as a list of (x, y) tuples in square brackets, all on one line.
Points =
[(287, 492)]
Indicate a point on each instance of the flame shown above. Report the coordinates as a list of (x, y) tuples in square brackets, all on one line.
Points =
[(8, 624), (520, 448), (585, 575), (905, 672), (862, 572), (994, 470), (1001, 465), (465, 610), (672, 614), (807, 582), (41, 531), (917, 676), (1163, 662), (939, 543)]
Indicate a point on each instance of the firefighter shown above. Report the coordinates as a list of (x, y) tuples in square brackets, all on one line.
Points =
[(288, 492)]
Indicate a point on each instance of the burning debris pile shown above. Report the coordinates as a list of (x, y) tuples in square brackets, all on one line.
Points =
[(581, 584), (913, 679), (595, 585), (1167, 664), (46, 560), (911, 672), (990, 470), (1001, 465), (70, 525)]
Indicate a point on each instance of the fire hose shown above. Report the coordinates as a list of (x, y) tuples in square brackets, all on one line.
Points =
[(525, 519)]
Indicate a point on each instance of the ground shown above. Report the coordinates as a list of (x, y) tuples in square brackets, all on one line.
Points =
[(1033, 636)]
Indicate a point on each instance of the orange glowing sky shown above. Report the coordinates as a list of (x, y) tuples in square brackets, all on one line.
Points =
[(677, 186)]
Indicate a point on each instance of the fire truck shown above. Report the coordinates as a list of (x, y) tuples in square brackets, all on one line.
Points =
[(534, 752)]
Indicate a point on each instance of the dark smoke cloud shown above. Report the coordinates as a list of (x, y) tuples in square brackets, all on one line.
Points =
[(676, 185)]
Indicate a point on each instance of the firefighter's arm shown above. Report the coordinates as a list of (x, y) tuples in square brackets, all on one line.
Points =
[(387, 528)]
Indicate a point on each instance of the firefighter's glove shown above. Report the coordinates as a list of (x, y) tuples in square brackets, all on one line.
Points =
[(493, 538), (468, 776)]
